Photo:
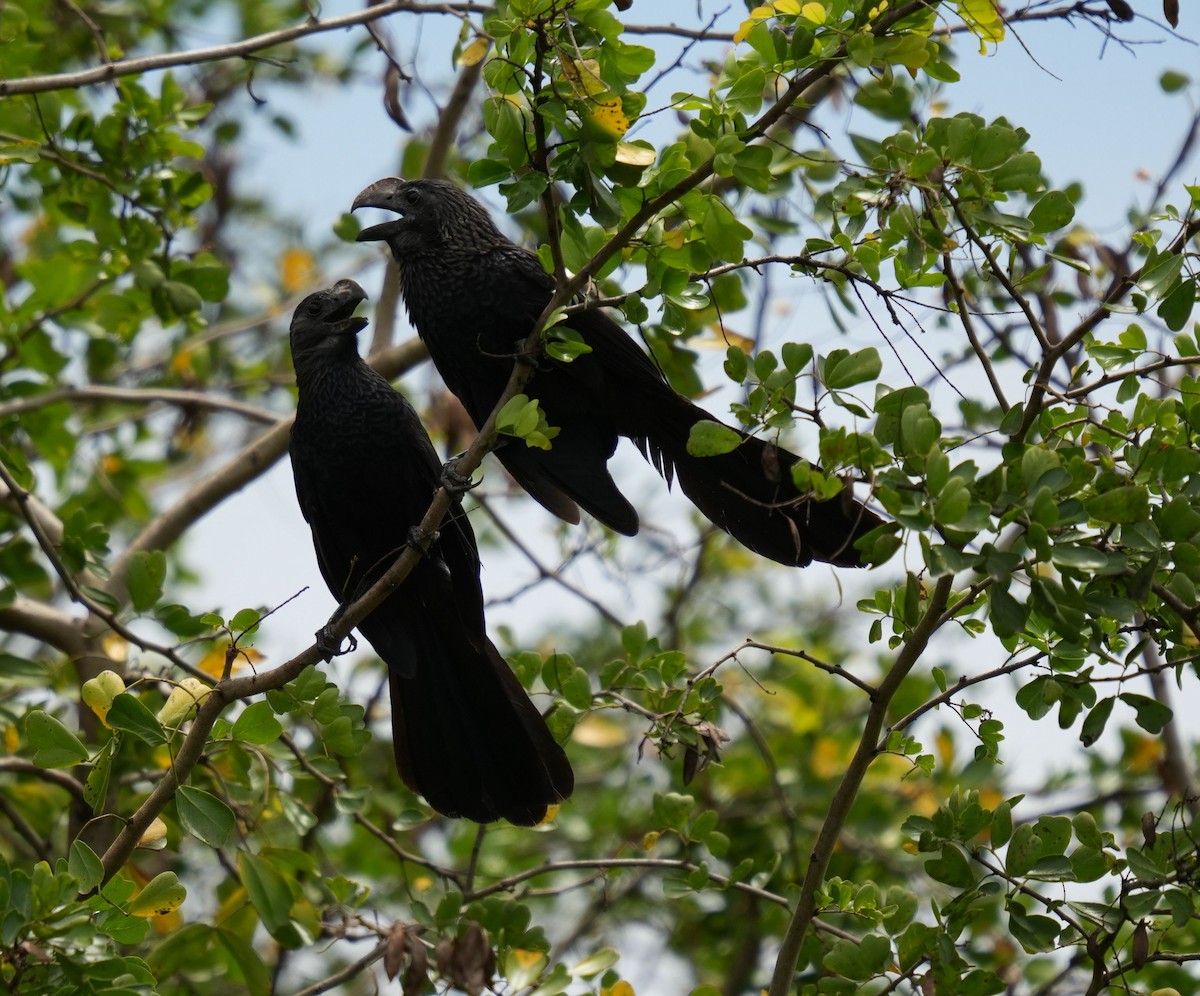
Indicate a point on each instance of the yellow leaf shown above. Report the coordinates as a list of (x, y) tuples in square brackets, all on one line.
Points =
[(829, 757), (674, 238), (598, 731), (757, 15), (584, 76), (787, 6), (526, 959), (621, 988), (650, 839), (473, 54), (98, 693), (606, 114), (213, 662), (163, 894), (635, 155), (298, 269), (1144, 756), (182, 701), (814, 12), (116, 648), (945, 746), (156, 831), (716, 337), (12, 739), (984, 20), (181, 362)]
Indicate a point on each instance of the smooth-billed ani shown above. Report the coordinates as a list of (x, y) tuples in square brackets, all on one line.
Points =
[(473, 295), (466, 735)]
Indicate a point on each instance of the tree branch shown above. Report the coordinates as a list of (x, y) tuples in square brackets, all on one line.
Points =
[(97, 394), (231, 50), (847, 790), (45, 623)]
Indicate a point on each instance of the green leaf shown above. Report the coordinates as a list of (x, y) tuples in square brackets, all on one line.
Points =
[(844, 369), (129, 714), (859, 959), (951, 868), (257, 725), (577, 689), (1002, 824), (85, 865), (747, 91), (1007, 614), (1053, 211), (994, 146), (271, 897), (796, 356), (1034, 932), (485, 172), (253, 969), (594, 964), (1120, 505), (147, 572), (523, 966), (95, 789), (1176, 308), (1023, 850), (710, 438), (54, 746), (203, 815), (1096, 720), (1173, 81), (1152, 715)]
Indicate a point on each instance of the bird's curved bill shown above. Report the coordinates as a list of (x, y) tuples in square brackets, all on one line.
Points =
[(351, 295), (380, 233)]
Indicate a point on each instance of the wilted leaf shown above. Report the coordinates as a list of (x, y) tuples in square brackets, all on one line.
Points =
[(163, 894)]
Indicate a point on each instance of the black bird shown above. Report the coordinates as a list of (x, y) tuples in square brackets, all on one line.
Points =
[(473, 295), (466, 735)]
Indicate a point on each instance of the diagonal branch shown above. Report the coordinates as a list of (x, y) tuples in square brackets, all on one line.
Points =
[(847, 790)]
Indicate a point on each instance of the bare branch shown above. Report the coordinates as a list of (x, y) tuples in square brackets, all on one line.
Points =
[(97, 394), (19, 765), (347, 973), (45, 623), (231, 50)]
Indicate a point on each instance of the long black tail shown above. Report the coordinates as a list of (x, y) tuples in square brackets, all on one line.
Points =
[(466, 735), (749, 493)]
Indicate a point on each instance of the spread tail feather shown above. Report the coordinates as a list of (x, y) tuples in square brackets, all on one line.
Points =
[(749, 494), (466, 735)]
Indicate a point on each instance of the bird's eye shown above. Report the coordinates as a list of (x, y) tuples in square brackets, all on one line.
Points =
[(412, 195), (313, 307)]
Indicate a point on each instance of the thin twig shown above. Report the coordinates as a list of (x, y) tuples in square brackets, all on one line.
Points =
[(231, 50)]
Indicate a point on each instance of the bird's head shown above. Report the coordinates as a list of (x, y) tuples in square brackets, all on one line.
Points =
[(433, 214), (325, 321)]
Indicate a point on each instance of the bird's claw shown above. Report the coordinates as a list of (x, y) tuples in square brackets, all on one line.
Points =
[(420, 540), (456, 484), (331, 645)]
